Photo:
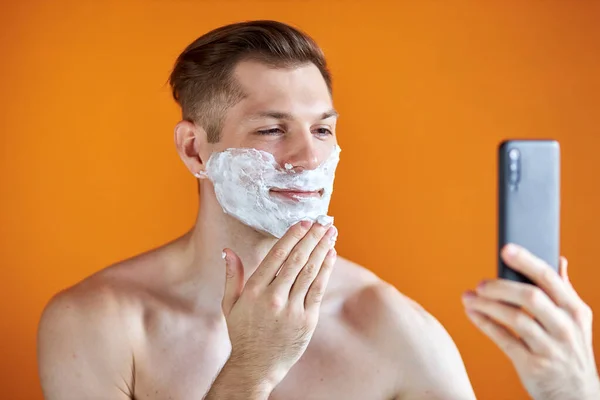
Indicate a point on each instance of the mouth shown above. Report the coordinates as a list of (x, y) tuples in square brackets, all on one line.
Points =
[(296, 194)]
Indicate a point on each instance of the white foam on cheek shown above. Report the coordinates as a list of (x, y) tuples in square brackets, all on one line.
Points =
[(288, 166), (242, 179)]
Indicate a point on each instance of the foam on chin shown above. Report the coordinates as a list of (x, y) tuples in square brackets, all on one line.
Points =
[(242, 180)]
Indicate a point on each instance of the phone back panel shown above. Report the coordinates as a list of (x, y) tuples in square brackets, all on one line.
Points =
[(529, 201)]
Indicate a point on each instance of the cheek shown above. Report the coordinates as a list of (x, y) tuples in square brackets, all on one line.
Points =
[(325, 149), (284, 149), (268, 143)]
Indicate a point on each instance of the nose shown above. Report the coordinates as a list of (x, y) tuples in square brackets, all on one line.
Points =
[(302, 153)]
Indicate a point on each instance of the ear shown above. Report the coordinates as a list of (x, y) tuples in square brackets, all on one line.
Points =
[(190, 141)]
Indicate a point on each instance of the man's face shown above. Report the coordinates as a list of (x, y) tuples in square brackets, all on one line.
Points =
[(287, 112)]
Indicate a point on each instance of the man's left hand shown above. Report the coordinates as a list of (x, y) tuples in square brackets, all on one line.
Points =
[(545, 330)]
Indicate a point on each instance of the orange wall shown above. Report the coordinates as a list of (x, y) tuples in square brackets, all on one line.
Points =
[(89, 173)]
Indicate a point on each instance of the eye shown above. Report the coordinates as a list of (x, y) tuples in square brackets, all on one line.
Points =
[(272, 131), (323, 132)]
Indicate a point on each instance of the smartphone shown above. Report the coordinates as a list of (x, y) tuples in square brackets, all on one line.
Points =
[(529, 201)]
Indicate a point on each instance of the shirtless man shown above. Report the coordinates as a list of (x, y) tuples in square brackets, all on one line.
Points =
[(280, 318)]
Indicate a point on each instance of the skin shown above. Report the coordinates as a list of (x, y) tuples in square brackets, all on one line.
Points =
[(179, 322), (545, 330), (164, 324)]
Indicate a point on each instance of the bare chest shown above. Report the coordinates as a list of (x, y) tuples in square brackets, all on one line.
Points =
[(182, 364)]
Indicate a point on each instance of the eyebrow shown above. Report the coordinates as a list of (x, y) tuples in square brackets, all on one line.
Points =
[(288, 116)]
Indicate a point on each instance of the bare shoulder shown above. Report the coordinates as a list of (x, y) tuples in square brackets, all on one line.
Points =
[(406, 335), (118, 289), (99, 298), (371, 304), (104, 296), (87, 334), (110, 299)]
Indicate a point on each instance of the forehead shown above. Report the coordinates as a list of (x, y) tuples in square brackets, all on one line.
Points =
[(296, 90)]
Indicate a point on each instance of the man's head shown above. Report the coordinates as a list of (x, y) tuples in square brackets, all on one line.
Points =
[(250, 88), (260, 84)]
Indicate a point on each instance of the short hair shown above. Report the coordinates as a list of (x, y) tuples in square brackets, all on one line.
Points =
[(202, 80)]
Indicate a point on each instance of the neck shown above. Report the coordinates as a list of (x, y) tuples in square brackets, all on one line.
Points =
[(213, 231)]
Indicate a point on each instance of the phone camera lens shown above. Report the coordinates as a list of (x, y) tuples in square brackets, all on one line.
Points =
[(514, 167)]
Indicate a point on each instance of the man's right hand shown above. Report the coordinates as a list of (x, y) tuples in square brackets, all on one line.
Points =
[(271, 318)]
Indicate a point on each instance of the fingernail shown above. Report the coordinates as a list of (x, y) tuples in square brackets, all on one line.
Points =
[(332, 253), (510, 250), (482, 284), (333, 234), (306, 224), (468, 295)]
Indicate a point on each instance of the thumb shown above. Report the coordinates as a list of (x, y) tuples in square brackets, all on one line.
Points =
[(562, 269), (564, 274), (234, 280)]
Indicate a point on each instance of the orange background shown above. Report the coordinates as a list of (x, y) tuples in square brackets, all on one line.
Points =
[(426, 89)]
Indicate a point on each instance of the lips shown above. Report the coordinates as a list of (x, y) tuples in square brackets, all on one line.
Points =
[(296, 194)]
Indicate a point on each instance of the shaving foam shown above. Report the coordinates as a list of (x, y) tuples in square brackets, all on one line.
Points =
[(243, 179)]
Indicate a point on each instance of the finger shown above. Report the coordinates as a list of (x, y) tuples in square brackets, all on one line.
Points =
[(582, 313), (266, 271), (514, 348), (298, 258), (531, 298), (541, 274), (562, 269), (317, 288), (234, 280), (309, 272), (564, 274), (512, 318)]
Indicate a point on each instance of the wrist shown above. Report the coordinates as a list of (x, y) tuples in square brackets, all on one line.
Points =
[(257, 369), (253, 381)]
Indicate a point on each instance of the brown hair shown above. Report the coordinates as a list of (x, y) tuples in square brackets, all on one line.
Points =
[(202, 82)]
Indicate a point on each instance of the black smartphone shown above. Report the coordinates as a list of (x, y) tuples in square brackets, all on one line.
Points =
[(529, 201)]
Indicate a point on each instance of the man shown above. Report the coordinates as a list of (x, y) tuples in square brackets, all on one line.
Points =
[(179, 322)]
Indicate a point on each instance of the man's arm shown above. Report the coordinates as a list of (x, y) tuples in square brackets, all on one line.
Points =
[(429, 364), (83, 348)]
